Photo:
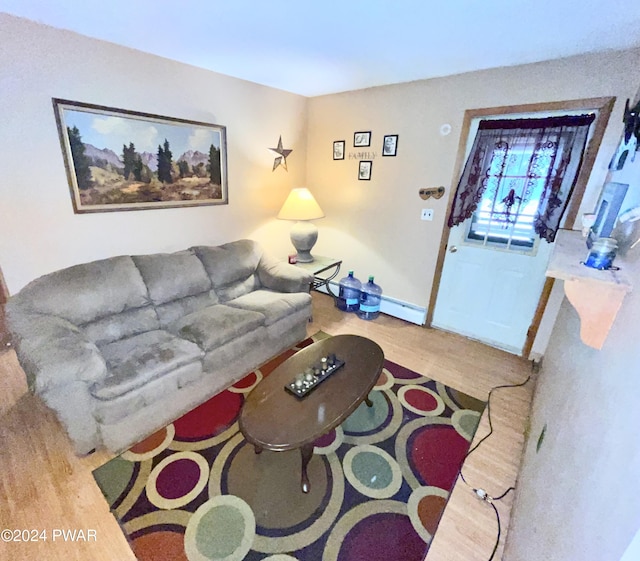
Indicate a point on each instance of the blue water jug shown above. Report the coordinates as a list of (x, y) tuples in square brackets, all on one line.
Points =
[(370, 294), (348, 298)]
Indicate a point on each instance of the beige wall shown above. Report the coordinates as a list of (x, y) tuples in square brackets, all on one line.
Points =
[(577, 498), (39, 231), (374, 225)]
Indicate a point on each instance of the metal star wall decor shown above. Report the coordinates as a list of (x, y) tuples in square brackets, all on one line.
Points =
[(281, 160)]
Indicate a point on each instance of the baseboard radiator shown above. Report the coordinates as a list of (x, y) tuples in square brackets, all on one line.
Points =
[(391, 306)]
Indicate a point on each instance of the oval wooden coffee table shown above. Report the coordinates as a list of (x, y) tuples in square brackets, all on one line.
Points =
[(274, 419)]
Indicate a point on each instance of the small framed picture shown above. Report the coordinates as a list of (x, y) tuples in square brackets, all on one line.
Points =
[(362, 138), (338, 150), (390, 145), (364, 170)]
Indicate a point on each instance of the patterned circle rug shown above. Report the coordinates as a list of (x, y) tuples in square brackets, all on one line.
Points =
[(197, 491)]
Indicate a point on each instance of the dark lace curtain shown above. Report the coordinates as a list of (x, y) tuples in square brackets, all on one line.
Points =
[(557, 146)]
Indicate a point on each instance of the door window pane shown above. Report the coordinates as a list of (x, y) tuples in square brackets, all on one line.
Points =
[(514, 186)]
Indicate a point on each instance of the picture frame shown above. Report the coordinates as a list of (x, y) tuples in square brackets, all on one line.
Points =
[(338, 149), (120, 160), (364, 170), (390, 145), (362, 138)]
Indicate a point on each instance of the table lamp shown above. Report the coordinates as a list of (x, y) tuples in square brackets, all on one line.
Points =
[(302, 207)]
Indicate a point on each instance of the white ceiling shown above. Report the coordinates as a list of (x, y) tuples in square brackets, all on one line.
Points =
[(314, 47)]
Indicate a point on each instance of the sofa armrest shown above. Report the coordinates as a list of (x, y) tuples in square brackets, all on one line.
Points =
[(283, 277), (53, 352)]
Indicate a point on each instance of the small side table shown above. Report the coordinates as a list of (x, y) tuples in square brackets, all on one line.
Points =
[(327, 265)]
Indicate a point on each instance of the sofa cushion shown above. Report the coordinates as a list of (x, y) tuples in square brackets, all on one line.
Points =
[(137, 360), (122, 325), (273, 305), (231, 267), (170, 276), (216, 325), (173, 311), (160, 390), (238, 288), (85, 293)]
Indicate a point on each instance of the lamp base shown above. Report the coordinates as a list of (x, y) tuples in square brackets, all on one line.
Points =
[(303, 237), (304, 257)]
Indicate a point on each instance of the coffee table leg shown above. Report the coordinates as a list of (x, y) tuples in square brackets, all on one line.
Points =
[(368, 402), (306, 452), (257, 449)]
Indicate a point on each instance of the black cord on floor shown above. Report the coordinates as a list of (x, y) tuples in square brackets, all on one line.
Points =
[(481, 493)]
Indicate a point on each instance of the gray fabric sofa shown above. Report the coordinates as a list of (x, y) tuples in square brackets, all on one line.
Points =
[(120, 347)]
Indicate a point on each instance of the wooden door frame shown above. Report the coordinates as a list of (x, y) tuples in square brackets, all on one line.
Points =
[(4, 296), (4, 291), (604, 106)]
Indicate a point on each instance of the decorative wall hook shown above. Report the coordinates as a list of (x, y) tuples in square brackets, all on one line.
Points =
[(631, 121), (630, 142), (435, 192)]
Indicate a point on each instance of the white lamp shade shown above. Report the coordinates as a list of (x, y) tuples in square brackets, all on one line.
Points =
[(300, 205)]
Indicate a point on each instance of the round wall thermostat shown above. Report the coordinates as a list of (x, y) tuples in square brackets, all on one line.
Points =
[(445, 129)]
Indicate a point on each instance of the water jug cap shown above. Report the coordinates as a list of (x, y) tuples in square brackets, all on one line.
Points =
[(371, 278), (350, 273)]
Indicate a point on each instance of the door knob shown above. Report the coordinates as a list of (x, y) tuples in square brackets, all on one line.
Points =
[(453, 249)]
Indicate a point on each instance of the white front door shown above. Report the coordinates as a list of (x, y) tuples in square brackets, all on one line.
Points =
[(488, 291), (489, 294), (494, 267)]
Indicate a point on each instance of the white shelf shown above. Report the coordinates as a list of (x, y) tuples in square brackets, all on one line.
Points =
[(596, 295)]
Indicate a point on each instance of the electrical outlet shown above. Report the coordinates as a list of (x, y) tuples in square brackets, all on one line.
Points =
[(427, 214)]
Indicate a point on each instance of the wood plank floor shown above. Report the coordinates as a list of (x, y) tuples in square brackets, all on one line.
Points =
[(44, 486)]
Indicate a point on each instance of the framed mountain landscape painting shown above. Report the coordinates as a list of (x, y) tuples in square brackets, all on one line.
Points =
[(125, 160)]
